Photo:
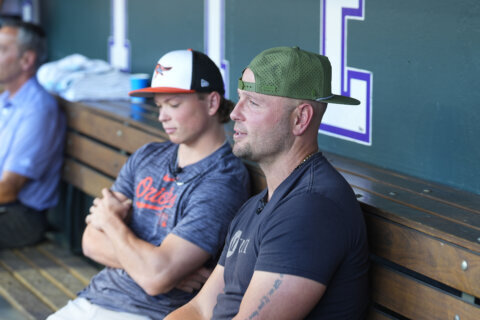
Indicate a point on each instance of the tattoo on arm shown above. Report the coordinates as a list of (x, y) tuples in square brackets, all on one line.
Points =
[(266, 298)]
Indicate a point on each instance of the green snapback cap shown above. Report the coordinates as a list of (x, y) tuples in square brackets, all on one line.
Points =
[(293, 73)]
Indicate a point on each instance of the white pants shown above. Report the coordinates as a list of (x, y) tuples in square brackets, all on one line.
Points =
[(82, 309)]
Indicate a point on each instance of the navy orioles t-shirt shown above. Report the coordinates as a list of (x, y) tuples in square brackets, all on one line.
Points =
[(196, 204), (312, 227)]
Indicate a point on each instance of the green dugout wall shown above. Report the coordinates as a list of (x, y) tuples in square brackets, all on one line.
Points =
[(423, 58)]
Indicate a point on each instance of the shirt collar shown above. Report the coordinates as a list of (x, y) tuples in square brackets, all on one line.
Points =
[(3, 99), (19, 95)]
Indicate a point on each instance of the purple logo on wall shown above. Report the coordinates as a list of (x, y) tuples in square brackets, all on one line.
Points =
[(352, 123)]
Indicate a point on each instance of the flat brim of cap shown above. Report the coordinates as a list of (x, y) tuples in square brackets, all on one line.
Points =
[(149, 92), (337, 99)]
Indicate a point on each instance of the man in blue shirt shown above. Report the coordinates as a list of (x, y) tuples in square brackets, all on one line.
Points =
[(32, 129)]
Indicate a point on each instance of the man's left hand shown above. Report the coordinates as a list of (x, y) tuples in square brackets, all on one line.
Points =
[(106, 208)]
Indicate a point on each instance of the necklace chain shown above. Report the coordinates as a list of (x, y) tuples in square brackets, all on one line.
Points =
[(263, 201), (305, 159)]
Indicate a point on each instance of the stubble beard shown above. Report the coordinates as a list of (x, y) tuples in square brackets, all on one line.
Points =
[(244, 152), (266, 151)]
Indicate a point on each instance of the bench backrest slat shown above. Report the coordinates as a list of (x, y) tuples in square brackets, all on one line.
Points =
[(98, 144), (416, 300), (115, 133), (84, 178), (434, 258), (101, 157)]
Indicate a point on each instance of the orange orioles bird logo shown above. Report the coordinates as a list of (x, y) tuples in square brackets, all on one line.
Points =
[(159, 69)]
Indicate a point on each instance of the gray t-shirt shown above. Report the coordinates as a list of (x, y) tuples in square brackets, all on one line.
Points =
[(195, 203)]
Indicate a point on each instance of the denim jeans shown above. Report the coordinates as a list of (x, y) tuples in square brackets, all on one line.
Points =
[(20, 225)]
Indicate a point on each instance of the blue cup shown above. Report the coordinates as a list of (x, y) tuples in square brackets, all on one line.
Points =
[(139, 81)]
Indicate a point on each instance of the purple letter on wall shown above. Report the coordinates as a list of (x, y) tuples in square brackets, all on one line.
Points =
[(347, 122)]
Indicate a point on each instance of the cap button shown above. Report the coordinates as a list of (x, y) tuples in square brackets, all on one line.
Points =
[(296, 47)]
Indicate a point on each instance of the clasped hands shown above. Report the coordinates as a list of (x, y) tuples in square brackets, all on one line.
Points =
[(106, 208), (112, 206)]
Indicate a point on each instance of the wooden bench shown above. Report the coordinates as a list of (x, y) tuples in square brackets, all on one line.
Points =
[(424, 241), (100, 140), (424, 238)]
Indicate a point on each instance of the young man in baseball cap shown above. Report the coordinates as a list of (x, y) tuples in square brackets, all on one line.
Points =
[(168, 211), (297, 250)]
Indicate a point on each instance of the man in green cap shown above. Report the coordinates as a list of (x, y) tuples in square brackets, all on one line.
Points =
[(297, 250)]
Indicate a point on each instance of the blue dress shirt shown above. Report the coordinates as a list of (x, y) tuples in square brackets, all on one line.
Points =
[(32, 131)]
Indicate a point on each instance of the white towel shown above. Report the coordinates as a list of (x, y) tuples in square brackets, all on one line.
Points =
[(76, 78)]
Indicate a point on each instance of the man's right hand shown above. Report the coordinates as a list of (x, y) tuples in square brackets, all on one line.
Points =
[(201, 306), (194, 281), (10, 185)]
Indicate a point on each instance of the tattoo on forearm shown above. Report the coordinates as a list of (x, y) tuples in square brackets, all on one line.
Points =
[(266, 298)]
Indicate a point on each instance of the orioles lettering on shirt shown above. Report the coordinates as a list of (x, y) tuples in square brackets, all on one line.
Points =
[(151, 198)]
